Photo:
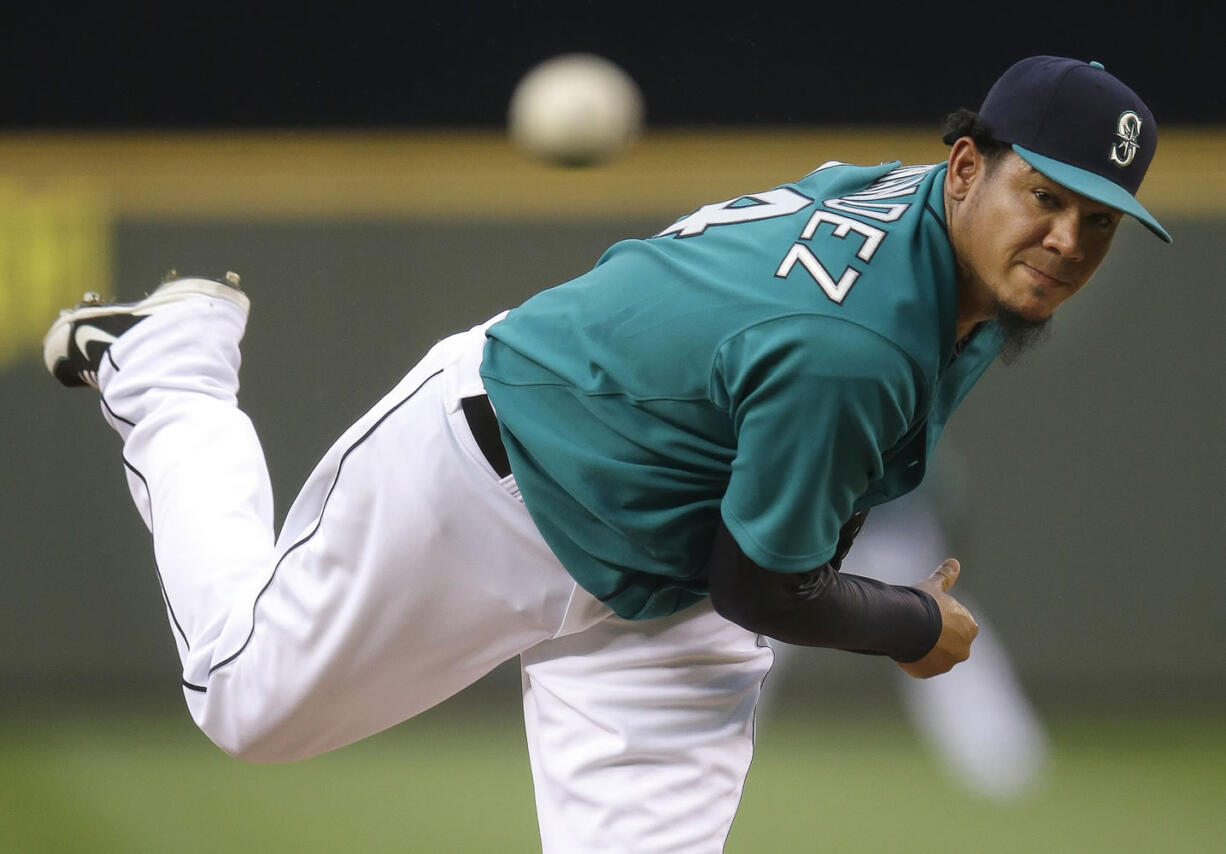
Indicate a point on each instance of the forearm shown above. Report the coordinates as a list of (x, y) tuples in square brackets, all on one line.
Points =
[(821, 607)]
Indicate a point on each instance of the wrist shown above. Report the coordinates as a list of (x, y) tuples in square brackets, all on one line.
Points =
[(927, 638)]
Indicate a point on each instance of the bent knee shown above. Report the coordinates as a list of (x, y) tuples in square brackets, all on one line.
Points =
[(255, 745), (247, 732)]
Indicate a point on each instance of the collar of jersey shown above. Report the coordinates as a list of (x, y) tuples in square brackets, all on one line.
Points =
[(937, 230)]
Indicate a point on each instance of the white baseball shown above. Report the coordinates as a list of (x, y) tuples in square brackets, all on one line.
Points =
[(575, 110)]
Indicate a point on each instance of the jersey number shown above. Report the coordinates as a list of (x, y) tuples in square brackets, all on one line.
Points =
[(784, 201), (779, 202)]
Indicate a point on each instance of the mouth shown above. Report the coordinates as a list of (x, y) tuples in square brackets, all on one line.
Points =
[(1046, 278)]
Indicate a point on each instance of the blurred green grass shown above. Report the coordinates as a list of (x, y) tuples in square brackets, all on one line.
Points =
[(456, 781)]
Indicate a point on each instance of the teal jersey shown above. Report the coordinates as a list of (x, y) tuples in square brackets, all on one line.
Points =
[(778, 360)]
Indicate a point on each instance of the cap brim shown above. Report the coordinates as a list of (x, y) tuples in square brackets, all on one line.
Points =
[(1092, 186)]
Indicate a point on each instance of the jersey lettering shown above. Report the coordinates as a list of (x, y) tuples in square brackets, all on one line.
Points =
[(800, 254), (876, 202), (782, 201), (903, 181), (844, 226), (835, 289)]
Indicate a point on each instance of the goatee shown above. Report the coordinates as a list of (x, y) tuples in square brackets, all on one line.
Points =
[(1020, 334)]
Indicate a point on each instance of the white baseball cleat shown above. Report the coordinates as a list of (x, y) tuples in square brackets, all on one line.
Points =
[(79, 339)]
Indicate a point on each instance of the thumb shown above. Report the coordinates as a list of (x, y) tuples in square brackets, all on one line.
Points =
[(946, 574)]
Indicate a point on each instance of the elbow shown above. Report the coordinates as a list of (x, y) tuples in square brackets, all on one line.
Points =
[(764, 609), (746, 602), (730, 596), (732, 607), (741, 591)]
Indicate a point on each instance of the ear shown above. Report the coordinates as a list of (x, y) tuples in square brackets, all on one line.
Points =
[(966, 165)]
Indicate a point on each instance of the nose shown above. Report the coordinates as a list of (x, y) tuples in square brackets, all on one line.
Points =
[(1064, 236)]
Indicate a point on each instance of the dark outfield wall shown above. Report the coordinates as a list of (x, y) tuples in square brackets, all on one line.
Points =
[(453, 64), (1089, 522)]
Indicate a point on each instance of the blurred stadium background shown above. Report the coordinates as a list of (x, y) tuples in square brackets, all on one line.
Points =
[(354, 169)]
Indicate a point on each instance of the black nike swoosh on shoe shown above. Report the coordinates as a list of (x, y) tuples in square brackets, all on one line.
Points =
[(86, 334)]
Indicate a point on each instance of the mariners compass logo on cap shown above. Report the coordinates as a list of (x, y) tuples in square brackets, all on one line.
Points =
[(1129, 132), (1079, 126)]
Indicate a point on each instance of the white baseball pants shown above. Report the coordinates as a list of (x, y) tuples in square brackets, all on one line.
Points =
[(406, 570)]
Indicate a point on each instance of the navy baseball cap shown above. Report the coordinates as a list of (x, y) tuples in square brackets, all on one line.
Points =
[(1079, 126)]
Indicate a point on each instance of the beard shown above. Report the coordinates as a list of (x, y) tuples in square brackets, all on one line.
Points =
[(1019, 334)]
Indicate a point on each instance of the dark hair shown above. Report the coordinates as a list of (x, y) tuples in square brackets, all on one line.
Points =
[(966, 122)]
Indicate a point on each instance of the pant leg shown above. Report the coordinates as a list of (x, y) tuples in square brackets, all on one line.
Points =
[(405, 571), (640, 734)]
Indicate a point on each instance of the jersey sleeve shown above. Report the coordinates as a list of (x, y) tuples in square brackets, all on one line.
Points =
[(815, 402)]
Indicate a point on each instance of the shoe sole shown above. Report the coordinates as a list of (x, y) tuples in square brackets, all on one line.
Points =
[(56, 341)]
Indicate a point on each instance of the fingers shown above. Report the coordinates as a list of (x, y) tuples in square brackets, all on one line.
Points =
[(946, 574)]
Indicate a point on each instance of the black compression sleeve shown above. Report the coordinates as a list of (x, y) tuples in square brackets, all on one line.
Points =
[(821, 607)]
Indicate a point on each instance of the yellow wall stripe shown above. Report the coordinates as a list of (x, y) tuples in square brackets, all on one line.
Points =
[(432, 174)]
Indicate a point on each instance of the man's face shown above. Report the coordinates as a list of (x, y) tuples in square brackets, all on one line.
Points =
[(1025, 244)]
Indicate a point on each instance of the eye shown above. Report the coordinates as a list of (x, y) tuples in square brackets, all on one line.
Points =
[(1102, 220), (1044, 198)]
